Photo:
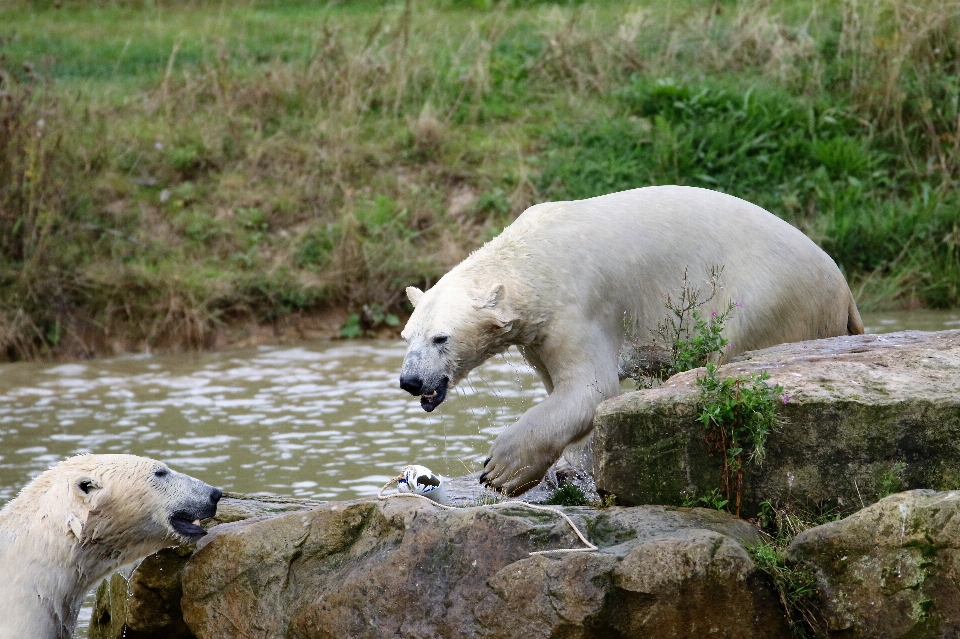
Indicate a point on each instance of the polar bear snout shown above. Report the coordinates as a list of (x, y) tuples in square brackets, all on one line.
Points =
[(200, 504), (431, 395), (412, 384), (426, 374)]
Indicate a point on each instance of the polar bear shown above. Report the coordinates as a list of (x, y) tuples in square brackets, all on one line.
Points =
[(79, 521), (568, 282)]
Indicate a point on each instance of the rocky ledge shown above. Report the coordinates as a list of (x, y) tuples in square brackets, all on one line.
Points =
[(862, 414), (405, 568)]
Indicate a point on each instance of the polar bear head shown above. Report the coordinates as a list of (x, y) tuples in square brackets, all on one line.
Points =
[(123, 506), (80, 520), (455, 327)]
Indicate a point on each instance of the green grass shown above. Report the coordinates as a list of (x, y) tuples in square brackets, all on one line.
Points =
[(203, 163)]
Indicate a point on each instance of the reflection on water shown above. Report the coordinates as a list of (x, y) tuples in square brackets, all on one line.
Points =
[(323, 421), (918, 320), (326, 421)]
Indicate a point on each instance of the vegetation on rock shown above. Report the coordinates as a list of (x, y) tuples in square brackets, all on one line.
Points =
[(738, 414)]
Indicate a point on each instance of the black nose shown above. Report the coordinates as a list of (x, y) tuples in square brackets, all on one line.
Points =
[(412, 384), (215, 495)]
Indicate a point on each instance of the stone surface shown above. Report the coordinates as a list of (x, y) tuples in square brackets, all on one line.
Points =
[(405, 568), (858, 406), (890, 571), (147, 605)]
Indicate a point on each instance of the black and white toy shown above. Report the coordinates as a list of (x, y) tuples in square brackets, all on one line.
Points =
[(420, 480)]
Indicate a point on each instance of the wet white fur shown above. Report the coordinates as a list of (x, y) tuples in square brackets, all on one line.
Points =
[(56, 541), (563, 278)]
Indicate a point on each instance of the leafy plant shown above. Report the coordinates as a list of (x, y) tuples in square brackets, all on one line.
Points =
[(366, 322), (795, 586), (738, 413), (891, 481), (688, 338), (693, 339), (567, 495), (714, 499)]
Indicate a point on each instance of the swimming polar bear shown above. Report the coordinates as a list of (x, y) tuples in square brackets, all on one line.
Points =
[(78, 522), (570, 282)]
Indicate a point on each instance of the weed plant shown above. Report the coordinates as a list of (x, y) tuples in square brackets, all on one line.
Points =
[(891, 481), (738, 413), (693, 340), (795, 587), (170, 168), (688, 339), (714, 499), (795, 584), (567, 495)]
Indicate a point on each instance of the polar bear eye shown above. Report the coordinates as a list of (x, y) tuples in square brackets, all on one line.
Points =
[(161, 472), (440, 340)]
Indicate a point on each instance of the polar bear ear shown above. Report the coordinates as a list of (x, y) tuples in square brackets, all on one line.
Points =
[(414, 294), (84, 487), (492, 298)]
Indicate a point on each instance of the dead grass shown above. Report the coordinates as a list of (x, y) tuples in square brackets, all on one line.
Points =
[(264, 162)]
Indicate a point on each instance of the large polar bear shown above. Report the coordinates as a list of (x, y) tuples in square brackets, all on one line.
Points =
[(568, 281), (76, 523)]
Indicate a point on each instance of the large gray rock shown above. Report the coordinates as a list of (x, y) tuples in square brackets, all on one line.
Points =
[(890, 571), (858, 408), (405, 568), (147, 604)]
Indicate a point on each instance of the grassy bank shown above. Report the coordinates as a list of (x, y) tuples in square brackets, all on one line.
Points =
[(167, 170)]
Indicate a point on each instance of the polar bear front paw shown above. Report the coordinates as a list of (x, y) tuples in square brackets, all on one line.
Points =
[(512, 473)]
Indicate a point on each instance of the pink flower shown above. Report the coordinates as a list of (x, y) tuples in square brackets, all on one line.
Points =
[(739, 304), (713, 314)]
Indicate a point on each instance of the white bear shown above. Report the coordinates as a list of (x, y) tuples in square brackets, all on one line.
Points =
[(78, 522), (568, 282)]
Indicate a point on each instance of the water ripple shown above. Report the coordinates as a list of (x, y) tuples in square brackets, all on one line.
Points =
[(324, 422)]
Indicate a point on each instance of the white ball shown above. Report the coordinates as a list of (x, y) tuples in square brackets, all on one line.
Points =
[(420, 480)]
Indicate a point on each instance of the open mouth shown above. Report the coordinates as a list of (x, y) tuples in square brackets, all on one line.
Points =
[(186, 525), (429, 401)]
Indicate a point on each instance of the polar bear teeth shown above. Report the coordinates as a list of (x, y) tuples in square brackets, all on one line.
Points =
[(196, 522), (429, 396)]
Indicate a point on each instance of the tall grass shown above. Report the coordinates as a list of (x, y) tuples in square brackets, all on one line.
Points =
[(207, 163)]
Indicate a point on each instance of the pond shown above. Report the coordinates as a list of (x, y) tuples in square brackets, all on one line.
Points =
[(324, 420)]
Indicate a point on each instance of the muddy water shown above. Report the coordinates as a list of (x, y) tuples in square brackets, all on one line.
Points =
[(324, 420)]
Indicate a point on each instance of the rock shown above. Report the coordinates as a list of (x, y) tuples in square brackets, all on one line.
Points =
[(405, 568), (860, 407), (889, 571), (147, 605)]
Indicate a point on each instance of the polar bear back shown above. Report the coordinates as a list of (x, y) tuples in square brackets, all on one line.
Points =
[(619, 255)]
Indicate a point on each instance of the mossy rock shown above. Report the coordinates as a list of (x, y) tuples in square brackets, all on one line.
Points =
[(864, 416)]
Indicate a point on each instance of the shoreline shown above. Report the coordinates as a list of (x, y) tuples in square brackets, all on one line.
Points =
[(325, 325)]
